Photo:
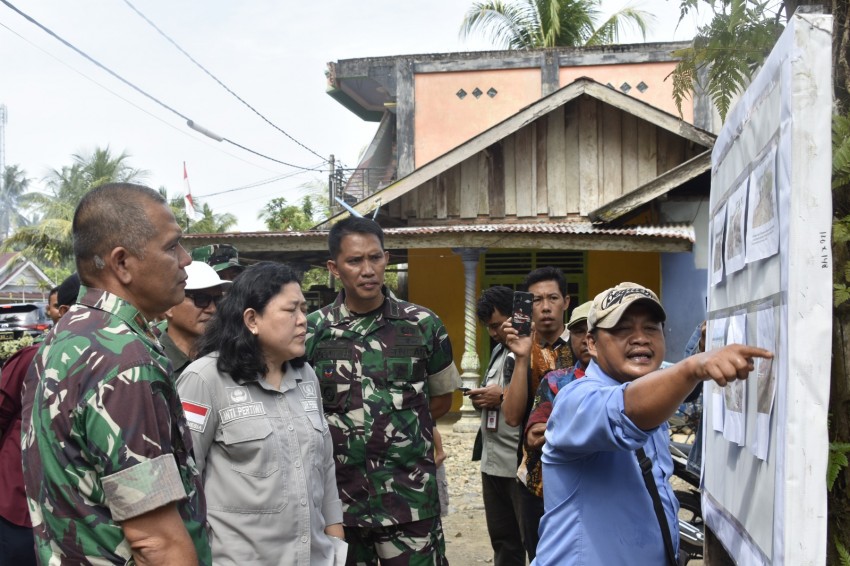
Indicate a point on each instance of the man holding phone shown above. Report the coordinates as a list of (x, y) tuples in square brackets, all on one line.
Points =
[(498, 440), (545, 349)]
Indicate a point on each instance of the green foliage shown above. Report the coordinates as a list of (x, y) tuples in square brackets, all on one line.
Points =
[(837, 461), (49, 240), (840, 151), (282, 217), (532, 24), (9, 347), (843, 555), (727, 50), (209, 223), (14, 187)]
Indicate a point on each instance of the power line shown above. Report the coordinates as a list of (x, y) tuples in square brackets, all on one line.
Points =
[(224, 86), (130, 102), (261, 183), (142, 92)]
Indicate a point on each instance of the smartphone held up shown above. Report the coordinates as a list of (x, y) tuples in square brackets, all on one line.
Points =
[(521, 317)]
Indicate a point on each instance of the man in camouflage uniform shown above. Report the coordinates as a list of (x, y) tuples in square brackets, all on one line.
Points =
[(107, 452), (386, 372), (224, 258)]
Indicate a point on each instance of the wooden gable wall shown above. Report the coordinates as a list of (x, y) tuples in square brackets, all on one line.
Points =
[(565, 164)]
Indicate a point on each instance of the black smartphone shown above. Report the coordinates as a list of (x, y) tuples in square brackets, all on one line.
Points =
[(521, 317)]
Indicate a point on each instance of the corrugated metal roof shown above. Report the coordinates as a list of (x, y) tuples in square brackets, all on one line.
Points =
[(672, 231)]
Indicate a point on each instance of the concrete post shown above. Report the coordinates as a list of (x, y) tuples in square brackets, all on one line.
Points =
[(470, 366)]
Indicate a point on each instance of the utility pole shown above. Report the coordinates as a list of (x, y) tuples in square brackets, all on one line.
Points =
[(331, 190)]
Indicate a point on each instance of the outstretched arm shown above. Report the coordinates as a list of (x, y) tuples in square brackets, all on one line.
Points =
[(653, 398)]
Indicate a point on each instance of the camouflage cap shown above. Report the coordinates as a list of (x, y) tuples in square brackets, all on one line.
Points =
[(219, 256), (610, 305)]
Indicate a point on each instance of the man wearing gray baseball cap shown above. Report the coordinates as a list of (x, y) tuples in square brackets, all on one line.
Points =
[(606, 458)]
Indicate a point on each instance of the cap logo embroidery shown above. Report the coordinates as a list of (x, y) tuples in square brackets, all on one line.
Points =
[(616, 297)]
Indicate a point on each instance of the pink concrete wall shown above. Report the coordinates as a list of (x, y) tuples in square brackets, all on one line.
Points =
[(659, 93), (443, 121)]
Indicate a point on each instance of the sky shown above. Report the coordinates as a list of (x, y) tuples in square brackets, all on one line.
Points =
[(272, 54)]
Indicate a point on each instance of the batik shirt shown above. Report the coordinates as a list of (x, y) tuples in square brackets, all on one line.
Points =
[(377, 374), (104, 436)]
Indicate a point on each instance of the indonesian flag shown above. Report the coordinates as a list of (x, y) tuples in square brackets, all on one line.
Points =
[(196, 415), (190, 204)]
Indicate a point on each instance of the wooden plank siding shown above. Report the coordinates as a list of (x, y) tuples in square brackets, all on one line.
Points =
[(565, 164), (588, 169), (509, 156), (556, 170)]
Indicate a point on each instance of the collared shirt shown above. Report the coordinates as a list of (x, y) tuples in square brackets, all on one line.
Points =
[(598, 510), (498, 456), (267, 462), (551, 383), (178, 359), (104, 436), (378, 372), (13, 497)]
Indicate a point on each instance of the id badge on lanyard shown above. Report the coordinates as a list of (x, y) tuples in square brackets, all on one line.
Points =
[(492, 420)]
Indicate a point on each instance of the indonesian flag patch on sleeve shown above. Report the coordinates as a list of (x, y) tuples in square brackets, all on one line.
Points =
[(196, 415)]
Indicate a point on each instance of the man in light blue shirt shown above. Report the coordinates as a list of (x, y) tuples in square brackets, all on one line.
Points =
[(598, 509)]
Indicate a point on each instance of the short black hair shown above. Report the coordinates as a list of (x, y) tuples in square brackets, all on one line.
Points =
[(53, 291), (495, 298), (68, 290), (547, 273), (239, 350), (352, 225), (110, 216)]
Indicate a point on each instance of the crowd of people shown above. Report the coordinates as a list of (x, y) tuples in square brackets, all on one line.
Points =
[(193, 412)]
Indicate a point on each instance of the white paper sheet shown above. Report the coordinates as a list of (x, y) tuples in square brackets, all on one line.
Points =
[(765, 376), (717, 339), (762, 212), (735, 248), (718, 228), (735, 393)]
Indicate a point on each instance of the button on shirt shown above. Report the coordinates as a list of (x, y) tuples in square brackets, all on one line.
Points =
[(598, 510), (267, 462)]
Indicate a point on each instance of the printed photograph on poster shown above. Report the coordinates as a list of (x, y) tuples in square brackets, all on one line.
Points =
[(735, 393), (765, 380), (762, 211), (717, 228), (736, 208), (716, 334)]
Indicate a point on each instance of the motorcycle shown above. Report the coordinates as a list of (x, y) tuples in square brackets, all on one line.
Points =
[(691, 525)]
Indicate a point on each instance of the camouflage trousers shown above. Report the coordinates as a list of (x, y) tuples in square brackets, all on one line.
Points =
[(419, 543)]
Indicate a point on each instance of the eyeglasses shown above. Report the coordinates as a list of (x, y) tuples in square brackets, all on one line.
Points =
[(203, 300)]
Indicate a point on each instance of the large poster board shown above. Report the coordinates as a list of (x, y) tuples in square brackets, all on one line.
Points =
[(770, 284)]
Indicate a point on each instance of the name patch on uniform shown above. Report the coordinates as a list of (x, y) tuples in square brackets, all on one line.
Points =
[(196, 415), (241, 411), (238, 395), (310, 404)]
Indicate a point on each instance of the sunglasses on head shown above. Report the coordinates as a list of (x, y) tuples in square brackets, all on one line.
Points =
[(203, 300)]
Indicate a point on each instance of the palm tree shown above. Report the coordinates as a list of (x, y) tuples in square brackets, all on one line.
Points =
[(12, 190), (531, 24), (50, 239)]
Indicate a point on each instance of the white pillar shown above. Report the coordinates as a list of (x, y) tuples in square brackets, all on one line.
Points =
[(470, 420)]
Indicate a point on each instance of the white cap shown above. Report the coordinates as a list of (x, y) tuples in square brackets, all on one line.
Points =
[(199, 275)]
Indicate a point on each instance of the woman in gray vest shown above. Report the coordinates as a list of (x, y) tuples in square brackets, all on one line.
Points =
[(259, 432)]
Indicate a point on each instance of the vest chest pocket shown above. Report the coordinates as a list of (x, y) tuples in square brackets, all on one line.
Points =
[(333, 364), (406, 382), (251, 447)]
